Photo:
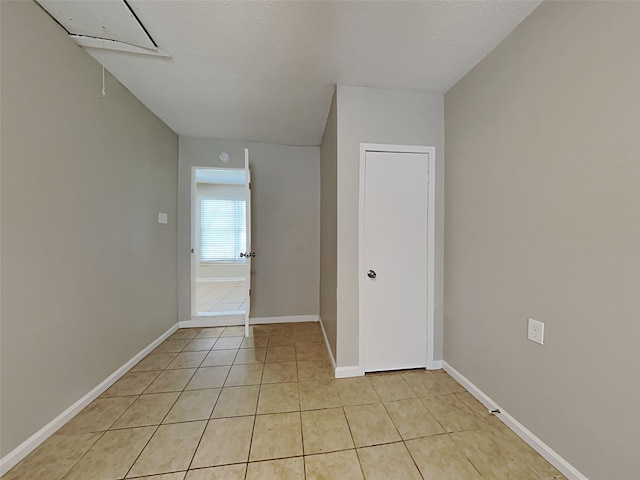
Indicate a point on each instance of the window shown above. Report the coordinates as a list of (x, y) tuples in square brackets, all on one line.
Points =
[(223, 232)]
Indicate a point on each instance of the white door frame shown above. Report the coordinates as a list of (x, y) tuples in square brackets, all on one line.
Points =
[(431, 224), (203, 320), (194, 247), (247, 196)]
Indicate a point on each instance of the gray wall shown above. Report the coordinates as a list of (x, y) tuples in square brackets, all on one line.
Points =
[(543, 221), (370, 115), (88, 275), (285, 222), (328, 232)]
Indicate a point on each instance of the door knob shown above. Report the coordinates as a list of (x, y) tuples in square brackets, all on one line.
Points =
[(371, 274)]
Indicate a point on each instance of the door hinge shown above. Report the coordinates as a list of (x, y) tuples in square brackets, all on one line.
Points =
[(249, 185), (249, 292), (192, 250)]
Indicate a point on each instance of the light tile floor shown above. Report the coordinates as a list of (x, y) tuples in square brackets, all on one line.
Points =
[(220, 296), (209, 404)]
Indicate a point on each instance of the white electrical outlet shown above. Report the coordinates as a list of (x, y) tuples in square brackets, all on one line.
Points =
[(535, 331)]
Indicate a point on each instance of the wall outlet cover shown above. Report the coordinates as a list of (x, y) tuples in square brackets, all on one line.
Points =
[(535, 331), (162, 218)]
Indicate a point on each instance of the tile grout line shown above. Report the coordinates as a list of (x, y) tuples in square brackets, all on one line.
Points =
[(215, 403), (110, 428), (209, 420), (204, 431), (141, 450), (180, 392), (158, 426), (484, 425), (304, 461), (83, 455), (353, 440), (253, 429)]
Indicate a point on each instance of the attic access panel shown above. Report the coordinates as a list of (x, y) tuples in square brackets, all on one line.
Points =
[(101, 19)]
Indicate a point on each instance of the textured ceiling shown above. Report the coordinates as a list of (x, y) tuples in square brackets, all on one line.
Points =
[(266, 71)]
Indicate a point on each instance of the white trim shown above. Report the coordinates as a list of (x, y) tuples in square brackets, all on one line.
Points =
[(115, 45), (194, 248), (431, 260), (292, 319), (346, 372), (195, 245), (30, 444), (338, 372), (525, 434), (436, 365), (218, 320), (227, 313), (431, 363), (248, 244), (232, 319), (220, 279), (327, 345)]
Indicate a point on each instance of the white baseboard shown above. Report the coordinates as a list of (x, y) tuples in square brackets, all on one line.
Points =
[(355, 370), (538, 445), (217, 320), (224, 313), (435, 365), (292, 319), (220, 279), (338, 372), (30, 444), (327, 345), (232, 319), (346, 372)]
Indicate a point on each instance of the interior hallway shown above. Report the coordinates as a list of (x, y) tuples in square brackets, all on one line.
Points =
[(210, 404)]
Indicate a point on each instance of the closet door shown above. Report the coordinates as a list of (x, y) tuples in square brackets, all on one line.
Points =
[(394, 277)]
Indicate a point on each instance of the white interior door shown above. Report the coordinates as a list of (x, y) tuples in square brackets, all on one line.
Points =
[(394, 257), (249, 253)]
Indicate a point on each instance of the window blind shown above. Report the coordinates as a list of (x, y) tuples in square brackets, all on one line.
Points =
[(223, 232)]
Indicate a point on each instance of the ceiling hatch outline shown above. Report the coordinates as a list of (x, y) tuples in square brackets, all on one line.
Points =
[(108, 25)]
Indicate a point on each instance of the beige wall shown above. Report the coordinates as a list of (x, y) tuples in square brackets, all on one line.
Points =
[(543, 221), (328, 215), (219, 270), (88, 275), (285, 222), (371, 115)]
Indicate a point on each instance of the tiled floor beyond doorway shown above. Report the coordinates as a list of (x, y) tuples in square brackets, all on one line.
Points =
[(209, 404), (220, 296)]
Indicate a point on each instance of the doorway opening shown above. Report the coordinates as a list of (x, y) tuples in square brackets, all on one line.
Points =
[(219, 269)]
